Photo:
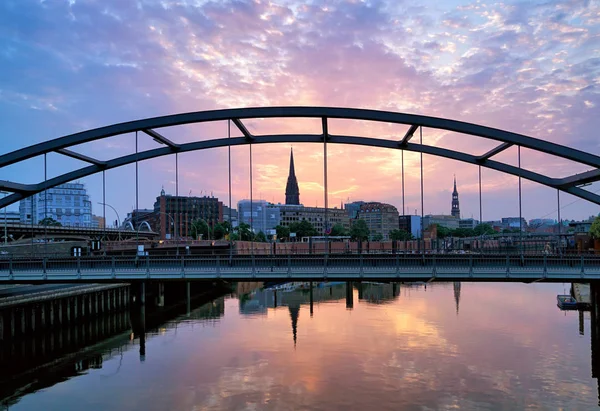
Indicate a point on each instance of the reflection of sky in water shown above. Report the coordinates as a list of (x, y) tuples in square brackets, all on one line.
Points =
[(508, 347)]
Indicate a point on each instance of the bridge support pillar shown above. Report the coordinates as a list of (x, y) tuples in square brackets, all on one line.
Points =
[(595, 329), (349, 296), (143, 293), (274, 298), (360, 291), (311, 297), (160, 298), (188, 297)]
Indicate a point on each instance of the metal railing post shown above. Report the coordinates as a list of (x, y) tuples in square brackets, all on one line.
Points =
[(10, 268), (325, 260), (218, 267), (113, 273), (545, 272), (470, 266), (582, 267), (397, 265), (44, 266), (253, 266), (507, 266), (289, 259), (182, 266), (147, 267), (78, 267), (360, 271)]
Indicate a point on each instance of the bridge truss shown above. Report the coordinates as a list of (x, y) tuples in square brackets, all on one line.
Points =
[(569, 184)]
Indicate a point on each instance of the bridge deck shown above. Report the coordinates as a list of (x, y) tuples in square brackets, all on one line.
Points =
[(304, 267)]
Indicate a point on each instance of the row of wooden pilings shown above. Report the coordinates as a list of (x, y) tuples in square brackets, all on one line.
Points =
[(27, 318)]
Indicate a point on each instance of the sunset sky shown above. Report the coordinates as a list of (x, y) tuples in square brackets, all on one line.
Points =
[(528, 67)]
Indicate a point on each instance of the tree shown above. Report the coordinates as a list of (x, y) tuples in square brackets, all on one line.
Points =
[(463, 232), (338, 230), (359, 230), (199, 228), (443, 232), (244, 232), (378, 237), (595, 229), (282, 232), (303, 229), (400, 235), (219, 231), (484, 229), (260, 237), (49, 221)]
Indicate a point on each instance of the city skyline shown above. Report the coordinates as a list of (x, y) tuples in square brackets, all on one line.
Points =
[(207, 56)]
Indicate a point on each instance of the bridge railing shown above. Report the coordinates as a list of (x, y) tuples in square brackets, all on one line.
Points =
[(304, 262)]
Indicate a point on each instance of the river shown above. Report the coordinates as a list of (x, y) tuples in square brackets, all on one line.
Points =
[(440, 346)]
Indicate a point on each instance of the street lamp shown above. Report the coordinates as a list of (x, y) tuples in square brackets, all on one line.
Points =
[(174, 227), (118, 218)]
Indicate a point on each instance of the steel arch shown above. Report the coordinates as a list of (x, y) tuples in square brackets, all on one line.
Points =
[(60, 145)]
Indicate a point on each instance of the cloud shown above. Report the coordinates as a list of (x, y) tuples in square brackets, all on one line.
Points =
[(531, 68)]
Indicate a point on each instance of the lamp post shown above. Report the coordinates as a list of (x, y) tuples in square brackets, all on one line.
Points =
[(174, 227), (118, 218)]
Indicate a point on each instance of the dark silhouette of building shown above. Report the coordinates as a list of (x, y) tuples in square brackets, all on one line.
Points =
[(292, 192), (175, 214), (455, 207)]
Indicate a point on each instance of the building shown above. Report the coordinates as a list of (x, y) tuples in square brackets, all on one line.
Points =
[(292, 192), (468, 223), (315, 215), (175, 214), (381, 218), (410, 224), (448, 221), (10, 216), (455, 204), (353, 208), (234, 215), (514, 223), (69, 204), (258, 214), (98, 222)]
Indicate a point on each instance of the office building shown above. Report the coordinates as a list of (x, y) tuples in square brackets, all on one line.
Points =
[(258, 214), (175, 214), (410, 224), (290, 214), (381, 218), (69, 204)]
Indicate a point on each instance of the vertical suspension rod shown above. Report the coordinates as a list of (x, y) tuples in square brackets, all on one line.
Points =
[(137, 233), (520, 208), (422, 207), (229, 168), (176, 219), (559, 220), (104, 200), (480, 211), (45, 207), (325, 192), (251, 207)]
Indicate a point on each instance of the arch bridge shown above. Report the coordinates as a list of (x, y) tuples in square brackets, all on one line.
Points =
[(63, 145), (295, 267)]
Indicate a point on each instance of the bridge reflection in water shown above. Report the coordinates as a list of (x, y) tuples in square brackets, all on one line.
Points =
[(26, 367), (257, 301), (32, 363)]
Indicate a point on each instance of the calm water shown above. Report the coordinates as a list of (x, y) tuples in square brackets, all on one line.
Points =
[(450, 346)]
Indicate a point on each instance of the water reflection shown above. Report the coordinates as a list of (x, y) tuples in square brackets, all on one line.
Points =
[(366, 346)]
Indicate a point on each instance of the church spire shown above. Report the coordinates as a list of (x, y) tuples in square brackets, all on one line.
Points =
[(292, 192), (455, 204)]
